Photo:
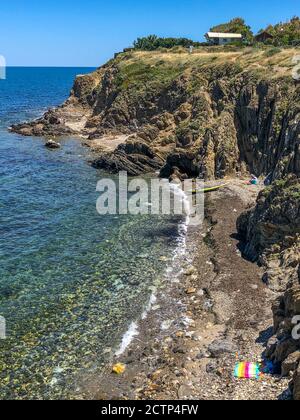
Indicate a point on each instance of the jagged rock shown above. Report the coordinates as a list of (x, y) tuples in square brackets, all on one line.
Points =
[(274, 223), (291, 363)]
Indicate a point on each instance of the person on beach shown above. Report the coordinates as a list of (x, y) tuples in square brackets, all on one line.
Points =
[(253, 181)]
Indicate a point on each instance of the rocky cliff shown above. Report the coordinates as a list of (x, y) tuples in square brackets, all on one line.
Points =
[(210, 114), (271, 232)]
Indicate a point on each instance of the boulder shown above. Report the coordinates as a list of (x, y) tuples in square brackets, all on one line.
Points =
[(51, 144), (291, 363), (221, 347)]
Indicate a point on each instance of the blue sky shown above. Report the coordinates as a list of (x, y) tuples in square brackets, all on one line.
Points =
[(88, 32)]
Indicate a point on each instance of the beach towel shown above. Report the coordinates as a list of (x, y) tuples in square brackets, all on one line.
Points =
[(247, 370)]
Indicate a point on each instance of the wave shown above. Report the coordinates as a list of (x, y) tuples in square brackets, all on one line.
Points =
[(172, 273)]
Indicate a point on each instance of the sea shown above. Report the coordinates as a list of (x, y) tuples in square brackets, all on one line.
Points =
[(72, 282)]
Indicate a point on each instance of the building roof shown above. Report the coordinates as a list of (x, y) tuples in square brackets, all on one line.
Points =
[(223, 35), (264, 34)]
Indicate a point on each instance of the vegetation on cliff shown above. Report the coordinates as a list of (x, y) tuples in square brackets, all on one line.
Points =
[(284, 33), (235, 26), (153, 42)]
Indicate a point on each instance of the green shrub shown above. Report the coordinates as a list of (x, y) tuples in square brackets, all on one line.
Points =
[(153, 42), (272, 51), (284, 33)]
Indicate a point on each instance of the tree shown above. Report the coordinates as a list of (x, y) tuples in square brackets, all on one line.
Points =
[(235, 26), (285, 33), (148, 43), (153, 42)]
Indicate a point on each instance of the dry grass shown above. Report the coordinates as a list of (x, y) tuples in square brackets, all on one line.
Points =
[(276, 63)]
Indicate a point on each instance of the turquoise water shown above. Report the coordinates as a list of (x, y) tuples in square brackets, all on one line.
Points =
[(71, 281)]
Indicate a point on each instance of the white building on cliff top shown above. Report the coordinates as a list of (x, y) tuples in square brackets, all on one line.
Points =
[(217, 38)]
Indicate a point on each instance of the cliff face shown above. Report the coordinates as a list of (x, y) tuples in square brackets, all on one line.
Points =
[(271, 232), (206, 114), (274, 224)]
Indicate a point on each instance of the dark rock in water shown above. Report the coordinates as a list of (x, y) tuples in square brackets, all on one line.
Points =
[(51, 144), (220, 347)]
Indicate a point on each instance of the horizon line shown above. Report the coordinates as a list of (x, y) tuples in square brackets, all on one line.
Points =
[(54, 67)]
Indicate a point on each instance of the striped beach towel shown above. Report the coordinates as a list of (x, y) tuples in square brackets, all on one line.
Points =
[(247, 370)]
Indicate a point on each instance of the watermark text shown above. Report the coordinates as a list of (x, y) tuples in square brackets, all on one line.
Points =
[(2, 328), (155, 196), (296, 68), (296, 329), (2, 68)]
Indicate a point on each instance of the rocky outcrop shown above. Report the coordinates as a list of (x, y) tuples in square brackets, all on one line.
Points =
[(136, 158), (284, 347), (51, 144), (271, 232), (274, 224), (212, 117)]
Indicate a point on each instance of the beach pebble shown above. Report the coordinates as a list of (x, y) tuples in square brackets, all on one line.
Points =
[(184, 391), (166, 324), (190, 271), (191, 290)]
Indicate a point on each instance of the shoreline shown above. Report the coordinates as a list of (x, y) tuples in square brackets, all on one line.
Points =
[(201, 118), (157, 360), (207, 309)]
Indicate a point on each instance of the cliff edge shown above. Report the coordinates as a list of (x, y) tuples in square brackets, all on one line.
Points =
[(213, 113)]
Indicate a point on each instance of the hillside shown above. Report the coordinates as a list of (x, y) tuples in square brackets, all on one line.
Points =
[(213, 113)]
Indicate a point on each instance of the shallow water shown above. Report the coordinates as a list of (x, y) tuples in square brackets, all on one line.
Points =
[(71, 281)]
